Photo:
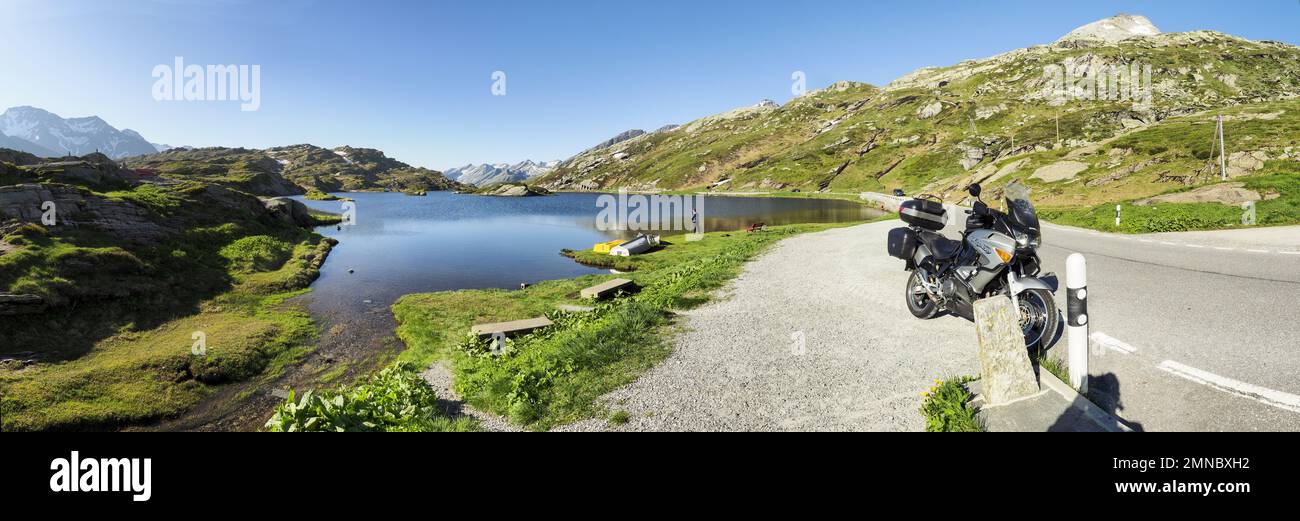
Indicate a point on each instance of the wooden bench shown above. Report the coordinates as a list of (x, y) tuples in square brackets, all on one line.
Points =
[(607, 288), (512, 328)]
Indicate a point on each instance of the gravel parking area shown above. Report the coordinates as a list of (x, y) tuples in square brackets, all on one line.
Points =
[(814, 335)]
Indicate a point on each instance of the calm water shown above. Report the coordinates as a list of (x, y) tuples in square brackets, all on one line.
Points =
[(444, 241)]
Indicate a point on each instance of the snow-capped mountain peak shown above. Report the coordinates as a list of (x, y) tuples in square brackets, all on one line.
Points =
[(488, 174), (44, 133)]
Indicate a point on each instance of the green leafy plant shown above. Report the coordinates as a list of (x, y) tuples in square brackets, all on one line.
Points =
[(395, 399), (947, 408)]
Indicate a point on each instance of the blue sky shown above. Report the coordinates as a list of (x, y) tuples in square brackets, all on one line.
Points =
[(414, 78)]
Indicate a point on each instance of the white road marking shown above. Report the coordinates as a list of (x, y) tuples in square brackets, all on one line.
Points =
[(1224, 248), (1167, 243), (1263, 395), (1258, 251), (1289, 252), (1111, 342), (1146, 240), (1193, 245)]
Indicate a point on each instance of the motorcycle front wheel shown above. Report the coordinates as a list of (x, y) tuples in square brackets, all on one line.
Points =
[(1038, 318), (918, 300)]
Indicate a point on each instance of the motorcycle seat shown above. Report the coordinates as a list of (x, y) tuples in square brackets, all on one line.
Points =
[(941, 247)]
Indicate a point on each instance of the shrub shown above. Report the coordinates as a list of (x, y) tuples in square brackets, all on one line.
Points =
[(256, 253)]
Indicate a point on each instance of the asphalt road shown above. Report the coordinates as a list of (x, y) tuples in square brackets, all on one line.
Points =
[(1225, 306), (1191, 332)]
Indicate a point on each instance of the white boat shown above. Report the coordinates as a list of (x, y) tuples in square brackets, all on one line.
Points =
[(640, 244)]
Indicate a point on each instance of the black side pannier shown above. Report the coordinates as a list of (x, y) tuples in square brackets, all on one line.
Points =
[(926, 214), (902, 243)]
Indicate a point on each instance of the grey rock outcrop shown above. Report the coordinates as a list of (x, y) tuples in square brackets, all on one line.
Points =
[(289, 211), (11, 304), (76, 207)]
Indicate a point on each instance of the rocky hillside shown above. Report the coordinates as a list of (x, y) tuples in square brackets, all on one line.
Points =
[(993, 120), (105, 276), (247, 170), (115, 236), (354, 169), (294, 169)]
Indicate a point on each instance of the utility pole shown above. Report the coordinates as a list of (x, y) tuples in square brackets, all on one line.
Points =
[(1058, 128), (1223, 161)]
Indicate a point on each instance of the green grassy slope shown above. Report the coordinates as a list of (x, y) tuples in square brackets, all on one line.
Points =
[(994, 120), (111, 344)]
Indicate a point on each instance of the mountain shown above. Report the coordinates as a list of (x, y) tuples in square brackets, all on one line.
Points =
[(294, 169), (621, 137), (486, 174), (1114, 29), (22, 145), (55, 136), (996, 120)]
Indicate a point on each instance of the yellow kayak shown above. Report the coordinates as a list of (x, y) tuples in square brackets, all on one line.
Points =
[(604, 247)]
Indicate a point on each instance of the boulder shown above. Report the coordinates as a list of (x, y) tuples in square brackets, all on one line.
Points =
[(1242, 163), (1059, 171), (930, 110), (1006, 373), (1233, 194), (971, 156), (289, 211)]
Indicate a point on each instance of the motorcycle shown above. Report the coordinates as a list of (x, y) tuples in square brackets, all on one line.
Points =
[(996, 256)]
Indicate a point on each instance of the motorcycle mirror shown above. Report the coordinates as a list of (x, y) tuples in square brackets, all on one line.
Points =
[(974, 189)]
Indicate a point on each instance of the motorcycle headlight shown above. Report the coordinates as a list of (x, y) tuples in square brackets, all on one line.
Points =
[(1028, 240)]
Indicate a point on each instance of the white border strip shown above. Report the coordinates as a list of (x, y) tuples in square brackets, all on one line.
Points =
[(1105, 340), (1262, 395)]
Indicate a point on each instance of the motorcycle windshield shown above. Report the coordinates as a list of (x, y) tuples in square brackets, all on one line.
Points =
[(1020, 210)]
